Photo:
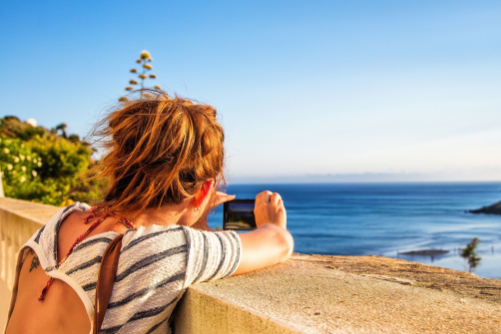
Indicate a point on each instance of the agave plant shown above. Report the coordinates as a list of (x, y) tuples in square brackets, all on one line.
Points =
[(142, 74)]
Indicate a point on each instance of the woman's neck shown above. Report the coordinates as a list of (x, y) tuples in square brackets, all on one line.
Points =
[(166, 215)]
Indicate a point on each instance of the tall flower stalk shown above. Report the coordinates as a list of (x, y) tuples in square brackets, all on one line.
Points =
[(143, 74)]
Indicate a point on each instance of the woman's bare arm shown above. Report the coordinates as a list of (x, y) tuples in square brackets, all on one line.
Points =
[(270, 243)]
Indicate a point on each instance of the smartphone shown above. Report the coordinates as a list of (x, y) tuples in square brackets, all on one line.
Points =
[(239, 215)]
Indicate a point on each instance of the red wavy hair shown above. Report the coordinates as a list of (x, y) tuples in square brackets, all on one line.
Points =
[(159, 151)]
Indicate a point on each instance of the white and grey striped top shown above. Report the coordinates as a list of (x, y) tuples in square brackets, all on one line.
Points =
[(157, 264)]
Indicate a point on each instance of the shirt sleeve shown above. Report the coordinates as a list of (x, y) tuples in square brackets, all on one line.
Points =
[(211, 255)]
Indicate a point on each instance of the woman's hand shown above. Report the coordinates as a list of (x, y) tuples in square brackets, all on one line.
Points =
[(270, 209), (220, 198), (270, 243)]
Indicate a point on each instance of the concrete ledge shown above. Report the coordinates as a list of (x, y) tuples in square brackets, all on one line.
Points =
[(33, 212), (19, 220), (412, 273), (202, 312), (309, 295)]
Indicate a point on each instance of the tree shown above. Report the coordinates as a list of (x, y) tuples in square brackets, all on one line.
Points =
[(143, 74), (74, 138), (470, 256), (62, 127), (41, 166)]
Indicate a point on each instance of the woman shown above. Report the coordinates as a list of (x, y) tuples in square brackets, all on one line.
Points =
[(164, 163)]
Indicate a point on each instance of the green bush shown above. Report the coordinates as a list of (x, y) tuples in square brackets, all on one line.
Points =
[(38, 165)]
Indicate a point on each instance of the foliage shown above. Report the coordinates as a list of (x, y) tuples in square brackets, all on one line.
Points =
[(62, 127), (11, 126), (40, 166), (470, 256), (143, 74)]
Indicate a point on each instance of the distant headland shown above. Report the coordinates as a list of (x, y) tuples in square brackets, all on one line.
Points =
[(494, 209)]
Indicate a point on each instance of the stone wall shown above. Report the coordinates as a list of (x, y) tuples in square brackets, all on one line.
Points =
[(308, 294), (18, 221)]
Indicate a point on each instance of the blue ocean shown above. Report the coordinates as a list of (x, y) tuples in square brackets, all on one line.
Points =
[(388, 219)]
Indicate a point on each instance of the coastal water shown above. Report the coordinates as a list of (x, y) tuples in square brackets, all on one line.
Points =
[(388, 219)]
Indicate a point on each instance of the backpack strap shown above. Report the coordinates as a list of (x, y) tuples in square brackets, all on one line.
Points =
[(105, 280)]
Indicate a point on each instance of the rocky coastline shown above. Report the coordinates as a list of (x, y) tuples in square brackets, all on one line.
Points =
[(494, 209)]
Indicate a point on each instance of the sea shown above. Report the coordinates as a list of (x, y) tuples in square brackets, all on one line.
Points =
[(388, 219)]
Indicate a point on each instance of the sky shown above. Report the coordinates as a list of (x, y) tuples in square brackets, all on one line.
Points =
[(307, 91)]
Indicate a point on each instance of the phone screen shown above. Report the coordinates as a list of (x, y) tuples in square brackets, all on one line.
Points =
[(239, 215)]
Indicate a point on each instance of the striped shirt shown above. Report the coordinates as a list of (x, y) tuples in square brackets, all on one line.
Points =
[(157, 264)]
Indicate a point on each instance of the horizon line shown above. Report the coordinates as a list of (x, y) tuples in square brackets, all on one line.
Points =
[(261, 181)]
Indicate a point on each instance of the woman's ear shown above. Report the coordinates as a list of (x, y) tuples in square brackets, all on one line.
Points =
[(202, 194)]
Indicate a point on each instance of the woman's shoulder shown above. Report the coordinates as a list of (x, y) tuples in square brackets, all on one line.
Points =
[(153, 238), (44, 240), (51, 227)]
